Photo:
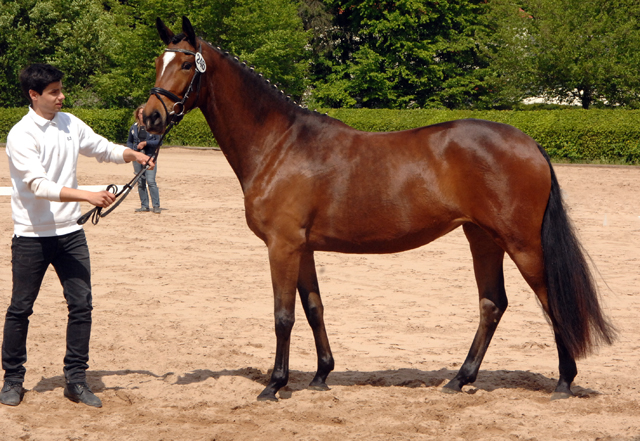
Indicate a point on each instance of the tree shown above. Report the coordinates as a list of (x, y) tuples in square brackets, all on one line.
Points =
[(18, 43), (401, 54), (585, 50), (265, 33), (66, 33), (106, 48), (135, 44)]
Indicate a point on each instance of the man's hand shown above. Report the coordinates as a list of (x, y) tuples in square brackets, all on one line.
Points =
[(139, 157), (101, 198)]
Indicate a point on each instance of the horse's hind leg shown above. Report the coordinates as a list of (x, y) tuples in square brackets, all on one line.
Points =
[(568, 371), (488, 260), (531, 266), (312, 304)]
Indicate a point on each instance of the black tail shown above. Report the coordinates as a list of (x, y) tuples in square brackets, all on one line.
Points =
[(574, 307)]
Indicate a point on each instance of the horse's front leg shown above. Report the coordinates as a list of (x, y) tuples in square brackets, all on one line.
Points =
[(312, 304), (284, 259)]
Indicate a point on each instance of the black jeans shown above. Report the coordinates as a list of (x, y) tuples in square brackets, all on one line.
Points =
[(30, 258)]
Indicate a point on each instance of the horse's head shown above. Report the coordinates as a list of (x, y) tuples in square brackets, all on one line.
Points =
[(178, 75)]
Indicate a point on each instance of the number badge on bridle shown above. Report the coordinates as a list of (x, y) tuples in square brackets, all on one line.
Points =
[(201, 65)]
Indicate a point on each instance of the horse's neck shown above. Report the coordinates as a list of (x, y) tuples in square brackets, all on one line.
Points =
[(245, 122)]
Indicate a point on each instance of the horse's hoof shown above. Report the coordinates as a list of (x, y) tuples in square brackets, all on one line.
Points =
[(269, 396), (319, 386), (561, 395), (450, 389)]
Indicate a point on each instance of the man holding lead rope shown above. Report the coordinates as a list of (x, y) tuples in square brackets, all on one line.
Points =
[(43, 151)]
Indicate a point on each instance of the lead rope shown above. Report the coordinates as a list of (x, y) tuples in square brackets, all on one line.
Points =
[(96, 212)]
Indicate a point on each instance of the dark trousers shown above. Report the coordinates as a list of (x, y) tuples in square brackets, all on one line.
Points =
[(30, 258)]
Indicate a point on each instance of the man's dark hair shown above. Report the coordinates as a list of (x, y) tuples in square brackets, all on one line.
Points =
[(37, 77)]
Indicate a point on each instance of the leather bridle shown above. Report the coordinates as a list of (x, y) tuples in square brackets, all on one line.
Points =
[(175, 116)]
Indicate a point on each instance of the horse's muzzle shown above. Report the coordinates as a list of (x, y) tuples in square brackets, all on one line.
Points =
[(154, 122)]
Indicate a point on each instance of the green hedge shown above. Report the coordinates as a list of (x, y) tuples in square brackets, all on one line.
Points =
[(114, 125), (8, 117), (568, 134), (193, 130)]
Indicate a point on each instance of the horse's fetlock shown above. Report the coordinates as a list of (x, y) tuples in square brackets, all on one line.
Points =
[(326, 364), (279, 379)]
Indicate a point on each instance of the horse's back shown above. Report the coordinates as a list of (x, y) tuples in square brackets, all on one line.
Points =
[(449, 143)]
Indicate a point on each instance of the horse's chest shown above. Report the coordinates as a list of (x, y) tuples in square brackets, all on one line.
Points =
[(269, 214)]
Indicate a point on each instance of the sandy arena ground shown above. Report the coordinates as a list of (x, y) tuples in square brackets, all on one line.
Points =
[(183, 336)]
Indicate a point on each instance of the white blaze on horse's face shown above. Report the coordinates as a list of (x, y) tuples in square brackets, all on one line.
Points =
[(167, 58)]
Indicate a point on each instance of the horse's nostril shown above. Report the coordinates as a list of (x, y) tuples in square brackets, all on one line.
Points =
[(154, 120)]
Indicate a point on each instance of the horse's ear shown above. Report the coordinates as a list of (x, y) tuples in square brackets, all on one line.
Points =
[(188, 31), (165, 33)]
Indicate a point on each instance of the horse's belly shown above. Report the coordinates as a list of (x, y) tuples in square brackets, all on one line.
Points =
[(387, 238)]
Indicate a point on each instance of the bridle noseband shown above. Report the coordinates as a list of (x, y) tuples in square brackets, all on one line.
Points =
[(173, 118)]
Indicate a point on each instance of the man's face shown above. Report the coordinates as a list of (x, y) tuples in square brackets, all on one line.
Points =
[(50, 102)]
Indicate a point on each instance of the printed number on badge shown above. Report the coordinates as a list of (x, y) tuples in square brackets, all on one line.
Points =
[(201, 65)]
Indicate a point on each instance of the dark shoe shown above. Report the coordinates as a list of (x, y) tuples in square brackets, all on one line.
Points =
[(12, 393), (80, 393), (142, 210), (157, 210)]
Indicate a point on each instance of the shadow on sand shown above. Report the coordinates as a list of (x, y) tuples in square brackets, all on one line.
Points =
[(413, 378)]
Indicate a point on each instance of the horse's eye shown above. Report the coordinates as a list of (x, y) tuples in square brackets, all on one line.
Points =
[(186, 65)]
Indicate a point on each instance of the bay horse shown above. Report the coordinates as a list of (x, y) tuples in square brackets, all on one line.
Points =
[(312, 183)]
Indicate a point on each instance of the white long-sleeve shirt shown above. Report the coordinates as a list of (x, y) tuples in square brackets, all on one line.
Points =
[(43, 156)]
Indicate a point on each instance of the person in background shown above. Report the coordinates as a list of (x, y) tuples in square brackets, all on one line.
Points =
[(139, 139), (43, 149)]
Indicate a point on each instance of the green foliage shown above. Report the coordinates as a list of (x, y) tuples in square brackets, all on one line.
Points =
[(402, 54), (193, 130), (567, 50), (69, 34), (129, 72), (113, 124), (8, 118), (107, 48), (265, 33)]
